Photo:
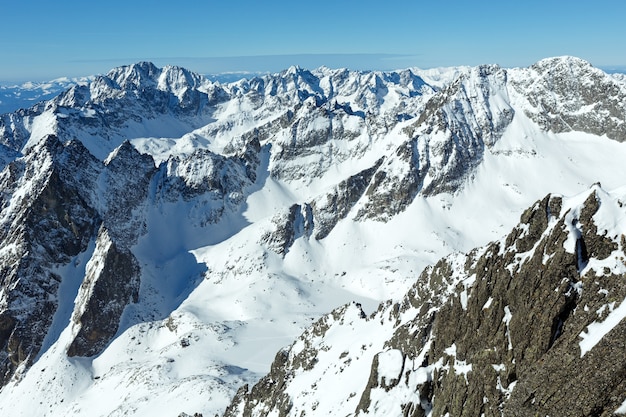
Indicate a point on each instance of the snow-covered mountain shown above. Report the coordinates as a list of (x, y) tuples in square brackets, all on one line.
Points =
[(163, 235)]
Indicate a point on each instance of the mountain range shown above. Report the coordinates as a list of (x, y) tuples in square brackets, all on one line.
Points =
[(417, 242)]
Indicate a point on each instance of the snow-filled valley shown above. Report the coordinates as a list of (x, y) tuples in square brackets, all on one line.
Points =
[(231, 217)]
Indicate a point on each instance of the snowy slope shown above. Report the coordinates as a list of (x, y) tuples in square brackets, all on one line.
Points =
[(243, 212)]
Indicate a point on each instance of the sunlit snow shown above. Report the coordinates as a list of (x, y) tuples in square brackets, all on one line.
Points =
[(222, 305)]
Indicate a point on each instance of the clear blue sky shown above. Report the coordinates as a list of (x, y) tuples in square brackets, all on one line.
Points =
[(42, 40)]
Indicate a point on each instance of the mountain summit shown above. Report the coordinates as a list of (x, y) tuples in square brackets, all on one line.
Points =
[(162, 236)]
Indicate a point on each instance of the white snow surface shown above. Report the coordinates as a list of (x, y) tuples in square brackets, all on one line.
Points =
[(390, 364), (228, 304), (596, 331)]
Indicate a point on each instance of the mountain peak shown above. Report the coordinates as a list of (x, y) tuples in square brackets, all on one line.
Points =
[(293, 70), (135, 75), (564, 61), (569, 94)]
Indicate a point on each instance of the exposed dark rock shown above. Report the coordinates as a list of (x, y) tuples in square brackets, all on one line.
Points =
[(269, 390), (214, 183), (389, 193), (333, 207), (531, 327), (125, 194), (296, 223), (51, 223), (111, 283), (268, 395), (595, 245)]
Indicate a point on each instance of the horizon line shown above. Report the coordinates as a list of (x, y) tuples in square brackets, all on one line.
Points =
[(264, 64)]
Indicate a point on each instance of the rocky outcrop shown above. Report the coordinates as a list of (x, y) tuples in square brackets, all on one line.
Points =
[(296, 223), (502, 330), (111, 283), (210, 184), (123, 196), (396, 183), (270, 394), (331, 208)]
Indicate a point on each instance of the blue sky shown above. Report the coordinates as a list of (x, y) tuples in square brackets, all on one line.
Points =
[(42, 40)]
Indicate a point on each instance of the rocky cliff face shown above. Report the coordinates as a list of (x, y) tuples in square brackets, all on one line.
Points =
[(523, 326), (47, 220)]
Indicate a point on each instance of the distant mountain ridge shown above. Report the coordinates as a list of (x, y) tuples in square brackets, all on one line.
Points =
[(24, 95), (14, 96), (156, 225)]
